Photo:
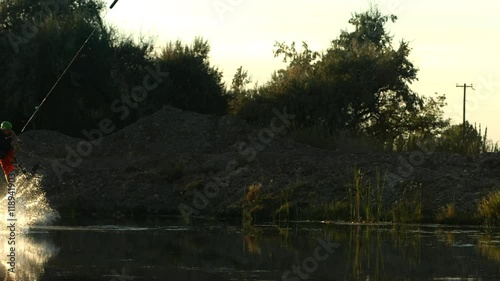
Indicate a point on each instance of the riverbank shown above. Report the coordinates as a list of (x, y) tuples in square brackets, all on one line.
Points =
[(183, 163)]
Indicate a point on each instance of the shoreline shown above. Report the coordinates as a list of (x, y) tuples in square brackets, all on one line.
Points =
[(162, 161)]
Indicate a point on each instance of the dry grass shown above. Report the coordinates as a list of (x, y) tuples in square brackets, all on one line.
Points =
[(253, 192), (489, 208), (446, 214)]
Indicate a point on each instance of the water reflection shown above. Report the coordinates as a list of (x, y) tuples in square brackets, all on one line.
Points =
[(394, 252), (31, 255), (364, 243), (252, 245), (209, 251), (489, 247)]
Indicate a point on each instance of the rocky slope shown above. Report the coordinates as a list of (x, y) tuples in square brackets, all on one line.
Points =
[(205, 164)]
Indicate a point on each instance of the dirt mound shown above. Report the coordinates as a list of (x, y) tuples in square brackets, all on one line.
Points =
[(44, 143), (206, 163)]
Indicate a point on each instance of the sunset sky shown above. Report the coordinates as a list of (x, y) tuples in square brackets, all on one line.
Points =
[(453, 41)]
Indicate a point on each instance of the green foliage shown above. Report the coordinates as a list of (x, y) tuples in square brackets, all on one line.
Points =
[(354, 94), (33, 61), (333, 211), (368, 70), (240, 81), (195, 84), (400, 128), (282, 214), (453, 140), (238, 92), (285, 208), (408, 209), (365, 200), (37, 42), (359, 84)]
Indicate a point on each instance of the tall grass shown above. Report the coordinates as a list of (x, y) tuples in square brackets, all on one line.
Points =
[(283, 212), (473, 142), (331, 211), (489, 208), (447, 214), (364, 199), (450, 140), (288, 209), (409, 208)]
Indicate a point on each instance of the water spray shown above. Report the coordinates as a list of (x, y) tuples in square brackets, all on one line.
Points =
[(37, 108)]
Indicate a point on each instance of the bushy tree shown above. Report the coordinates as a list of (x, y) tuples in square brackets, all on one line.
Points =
[(238, 93), (360, 84), (368, 71), (399, 127), (453, 140), (194, 84)]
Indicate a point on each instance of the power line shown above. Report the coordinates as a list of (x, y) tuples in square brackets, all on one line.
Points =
[(465, 86)]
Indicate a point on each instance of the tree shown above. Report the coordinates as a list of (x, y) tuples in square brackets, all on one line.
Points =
[(367, 70), (194, 84), (38, 39), (238, 92), (240, 81), (346, 87), (401, 128)]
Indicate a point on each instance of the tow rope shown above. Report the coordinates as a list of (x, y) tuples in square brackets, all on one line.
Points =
[(37, 108)]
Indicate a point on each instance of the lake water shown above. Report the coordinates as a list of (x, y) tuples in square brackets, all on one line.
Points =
[(167, 249)]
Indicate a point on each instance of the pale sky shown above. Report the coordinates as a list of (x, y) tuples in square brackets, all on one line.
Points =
[(453, 41)]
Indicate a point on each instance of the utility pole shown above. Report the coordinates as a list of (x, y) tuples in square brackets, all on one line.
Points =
[(465, 86)]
